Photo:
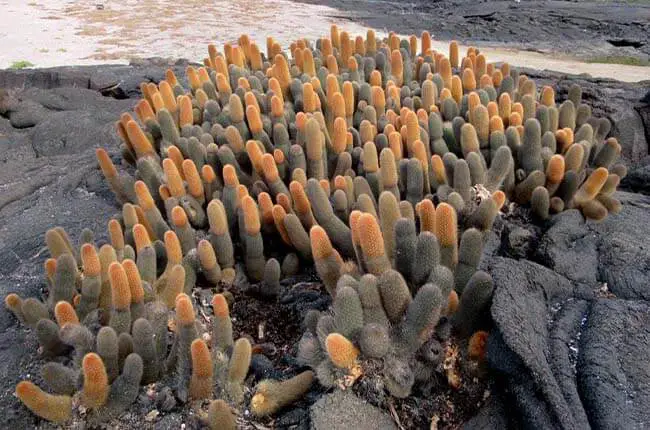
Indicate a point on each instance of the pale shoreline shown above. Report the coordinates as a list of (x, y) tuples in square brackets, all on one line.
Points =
[(49, 33)]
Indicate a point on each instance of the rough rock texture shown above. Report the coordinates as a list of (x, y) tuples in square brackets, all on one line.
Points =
[(564, 353), (572, 328), (577, 27), (342, 410)]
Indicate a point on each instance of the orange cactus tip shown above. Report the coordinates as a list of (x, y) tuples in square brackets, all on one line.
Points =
[(251, 215), (496, 124), (116, 234), (65, 314), (591, 187), (50, 267), (499, 198), (371, 240), (192, 77), (13, 301), (378, 97), (141, 237), (57, 409), (352, 64), (340, 183), (145, 110), (121, 291), (174, 180), (283, 200), (174, 287), (341, 351), (171, 77), (126, 117), (193, 179), (134, 279), (340, 132), (167, 95), (325, 185), (90, 260), (300, 199), (173, 248), (427, 214), (477, 346), (184, 309), (157, 100), (266, 207), (164, 192), (254, 119), (220, 306), (186, 116), (548, 96), (438, 169), (255, 154), (248, 99), (555, 169), (321, 247), (375, 78), (207, 256), (222, 83), (217, 217), (279, 214), (144, 196), (95, 389), (469, 81), (277, 106), (202, 369), (179, 218), (446, 224), (452, 302), (230, 176), (355, 215), (105, 163), (138, 139), (269, 168), (207, 173), (278, 156)]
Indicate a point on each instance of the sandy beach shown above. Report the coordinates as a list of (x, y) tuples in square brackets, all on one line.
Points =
[(58, 32)]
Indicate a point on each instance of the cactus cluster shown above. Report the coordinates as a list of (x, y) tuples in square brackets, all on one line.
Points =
[(381, 163), (398, 302), (112, 314)]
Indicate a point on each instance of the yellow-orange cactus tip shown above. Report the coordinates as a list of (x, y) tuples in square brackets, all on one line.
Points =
[(184, 309), (477, 346), (370, 236), (12, 300), (65, 314), (121, 291), (93, 366), (201, 359), (341, 351), (220, 306), (230, 176), (90, 260), (320, 243)]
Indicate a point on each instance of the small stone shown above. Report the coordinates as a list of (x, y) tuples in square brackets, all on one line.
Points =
[(165, 400), (519, 242), (151, 416)]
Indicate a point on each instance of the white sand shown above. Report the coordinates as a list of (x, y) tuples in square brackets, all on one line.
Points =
[(57, 32)]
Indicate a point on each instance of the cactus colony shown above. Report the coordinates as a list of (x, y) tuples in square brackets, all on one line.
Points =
[(382, 164)]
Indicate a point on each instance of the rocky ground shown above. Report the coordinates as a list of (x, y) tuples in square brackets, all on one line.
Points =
[(585, 29), (571, 309)]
